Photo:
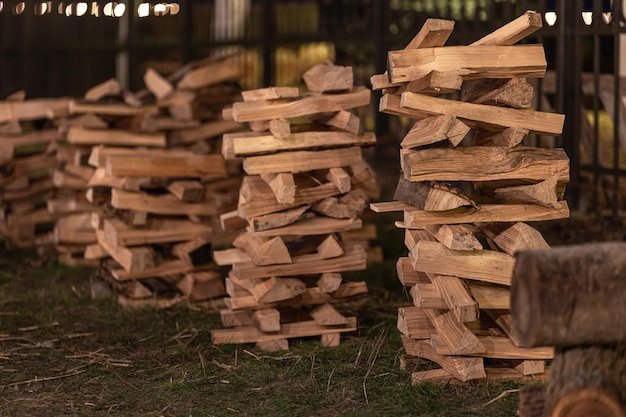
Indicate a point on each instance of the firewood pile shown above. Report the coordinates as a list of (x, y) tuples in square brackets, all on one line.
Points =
[(306, 185), (138, 182), (467, 188)]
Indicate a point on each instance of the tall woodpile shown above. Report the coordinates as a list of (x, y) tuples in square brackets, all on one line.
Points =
[(139, 179), (305, 187), (467, 188)]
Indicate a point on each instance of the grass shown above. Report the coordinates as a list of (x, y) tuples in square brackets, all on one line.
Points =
[(63, 353)]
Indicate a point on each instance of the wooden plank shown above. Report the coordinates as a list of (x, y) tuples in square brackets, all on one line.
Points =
[(164, 204), (157, 230), (164, 269), (485, 213), (482, 116), (485, 265), (488, 61), (137, 259), (514, 31), (310, 104), (455, 236), (301, 161), (245, 146), (500, 348), (196, 166), (270, 93), (288, 330), (110, 109), (77, 135), (434, 129), (43, 108), (304, 264), (314, 226)]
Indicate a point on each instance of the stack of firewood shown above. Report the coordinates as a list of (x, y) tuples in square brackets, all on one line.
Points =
[(306, 185), (159, 181), (466, 189), (28, 147)]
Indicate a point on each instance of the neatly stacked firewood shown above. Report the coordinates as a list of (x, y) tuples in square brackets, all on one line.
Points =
[(467, 186), (306, 185)]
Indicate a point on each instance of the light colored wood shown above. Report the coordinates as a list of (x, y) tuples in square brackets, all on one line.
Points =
[(99, 153), (177, 266), (196, 251), (283, 186), (340, 179), (304, 264), (435, 83), (306, 105), (343, 120), (484, 265), (519, 237), (330, 248), (157, 84), (280, 128), (391, 206), (515, 92), (482, 116), (301, 161), (137, 259), (460, 164), (74, 229), (263, 251), (330, 340), (232, 318), (44, 108), (230, 221), (77, 135), (408, 275), (461, 367), (455, 236), (272, 345), (231, 256), (411, 237), (514, 31), (456, 336), (486, 213), (314, 226), (287, 331), (95, 251), (347, 206), (245, 145), (430, 196), (35, 137), (543, 193), (508, 137), (528, 367), (267, 320), (457, 297), (79, 171), (327, 77), (435, 129), (197, 166), (278, 219), (434, 376), (500, 348), (61, 180), (490, 296), (413, 323), (270, 93), (164, 204), (489, 61), (327, 315), (187, 191), (109, 109), (427, 296), (202, 285), (211, 73), (110, 87), (329, 282)]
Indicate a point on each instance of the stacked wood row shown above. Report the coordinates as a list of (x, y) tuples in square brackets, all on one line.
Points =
[(467, 190), (29, 142), (305, 186)]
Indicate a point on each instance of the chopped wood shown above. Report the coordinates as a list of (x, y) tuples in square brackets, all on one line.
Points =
[(327, 77), (263, 252), (137, 259), (407, 275), (456, 336), (340, 179), (164, 204), (199, 166), (413, 323), (280, 128), (543, 193), (157, 84), (109, 109), (110, 87), (490, 297), (515, 92), (306, 105), (45, 108), (427, 296), (201, 285), (455, 236), (508, 137), (330, 340), (430, 196), (207, 130), (277, 220), (327, 315), (77, 135), (212, 73), (99, 153), (457, 297), (342, 119), (313, 226), (434, 129), (519, 237), (187, 191), (488, 61), (329, 282), (267, 320), (484, 265), (481, 116), (330, 247), (500, 348), (283, 186), (435, 83), (514, 31)]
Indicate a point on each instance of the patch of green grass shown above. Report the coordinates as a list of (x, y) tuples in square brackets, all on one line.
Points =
[(62, 353)]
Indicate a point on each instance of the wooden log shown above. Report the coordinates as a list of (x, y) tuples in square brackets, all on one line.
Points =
[(484, 265), (430, 196), (312, 104), (569, 295), (327, 77), (484, 61), (435, 129), (514, 31), (480, 116), (244, 145), (486, 213), (462, 164), (301, 161), (197, 166), (587, 380)]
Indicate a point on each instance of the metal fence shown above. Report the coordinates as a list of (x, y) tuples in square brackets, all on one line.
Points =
[(61, 50)]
